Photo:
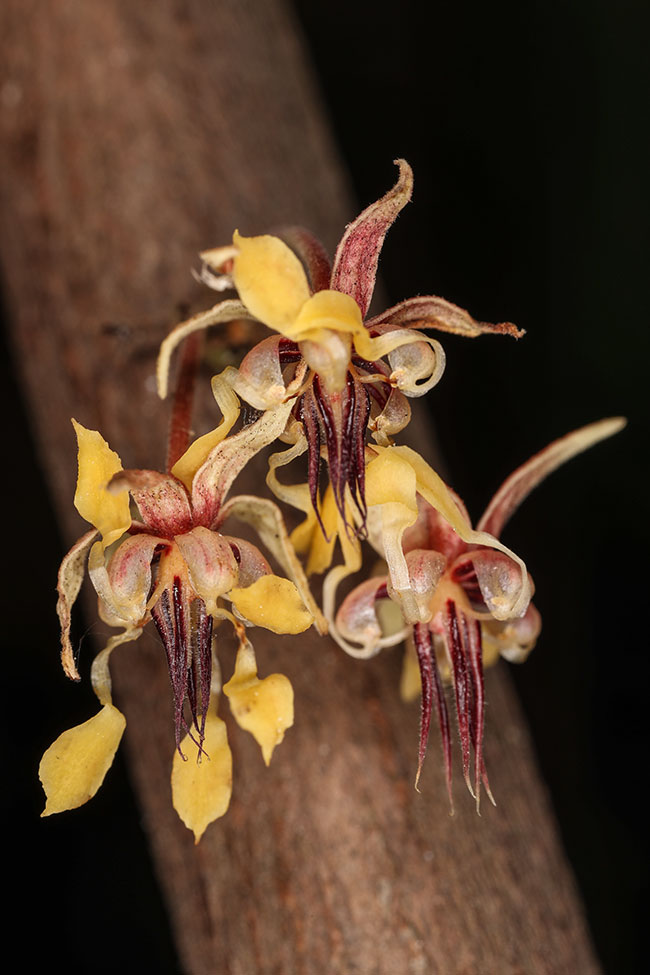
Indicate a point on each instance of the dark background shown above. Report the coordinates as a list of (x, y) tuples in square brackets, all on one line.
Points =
[(525, 124)]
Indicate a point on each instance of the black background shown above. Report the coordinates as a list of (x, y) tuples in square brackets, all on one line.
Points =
[(525, 124)]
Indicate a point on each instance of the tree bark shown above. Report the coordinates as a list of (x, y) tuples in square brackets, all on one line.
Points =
[(132, 137)]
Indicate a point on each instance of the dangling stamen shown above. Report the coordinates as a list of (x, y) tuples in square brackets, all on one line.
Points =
[(432, 691), (462, 690), (477, 715)]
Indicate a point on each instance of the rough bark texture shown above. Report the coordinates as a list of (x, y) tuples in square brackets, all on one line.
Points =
[(133, 136)]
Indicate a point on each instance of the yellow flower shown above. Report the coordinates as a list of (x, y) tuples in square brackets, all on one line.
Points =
[(174, 565), (324, 356)]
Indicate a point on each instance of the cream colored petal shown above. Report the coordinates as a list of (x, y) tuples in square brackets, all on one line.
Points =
[(202, 785), (274, 603), (109, 513), (71, 575), (225, 311), (262, 707), (74, 766), (270, 280)]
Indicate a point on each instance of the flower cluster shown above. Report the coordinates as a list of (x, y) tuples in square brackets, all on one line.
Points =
[(333, 384)]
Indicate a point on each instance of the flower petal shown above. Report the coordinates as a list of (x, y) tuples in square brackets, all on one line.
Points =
[(518, 486), (312, 254), (225, 311), (274, 603), (198, 452), (71, 575), (262, 707), (270, 280), (124, 584), (109, 513), (356, 258), (213, 480), (428, 311), (162, 500), (73, 767), (202, 785), (211, 562), (267, 520)]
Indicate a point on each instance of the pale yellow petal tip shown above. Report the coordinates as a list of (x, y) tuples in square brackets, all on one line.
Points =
[(202, 787), (74, 766), (274, 603)]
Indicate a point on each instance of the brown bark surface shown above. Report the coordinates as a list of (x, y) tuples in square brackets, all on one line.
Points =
[(132, 136)]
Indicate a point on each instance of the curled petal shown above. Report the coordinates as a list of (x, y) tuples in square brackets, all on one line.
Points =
[(259, 380), (417, 367), (355, 262), (71, 574), (74, 766), (393, 418), (270, 280), (162, 499), (212, 565), (518, 486), (202, 784), (198, 452), (124, 584), (213, 480), (427, 311), (274, 603), (501, 583), (425, 568), (262, 707), (108, 512), (514, 639), (359, 621), (225, 311)]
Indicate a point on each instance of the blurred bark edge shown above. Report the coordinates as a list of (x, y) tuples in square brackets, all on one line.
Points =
[(134, 135)]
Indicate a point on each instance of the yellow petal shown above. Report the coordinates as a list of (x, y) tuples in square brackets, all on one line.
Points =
[(272, 602), (270, 280), (262, 707), (197, 453), (74, 766), (328, 310), (109, 513), (201, 787)]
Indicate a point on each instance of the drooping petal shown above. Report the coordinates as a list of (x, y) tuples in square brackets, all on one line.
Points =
[(417, 367), (202, 784), (212, 565), (108, 512), (500, 581), (251, 564), (262, 707), (259, 380), (270, 280), (515, 639), (274, 603), (225, 311), (74, 766), (357, 255), (71, 574), (161, 498), (198, 452), (518, 486), (428, 311), (267, 520)]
